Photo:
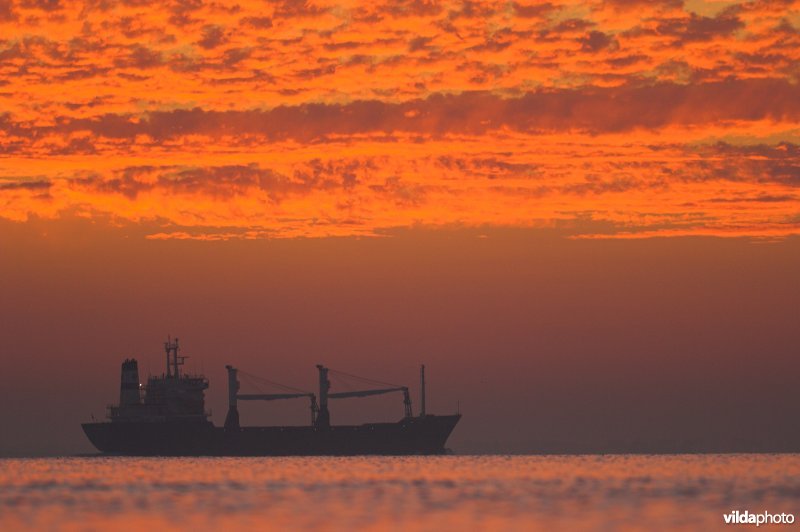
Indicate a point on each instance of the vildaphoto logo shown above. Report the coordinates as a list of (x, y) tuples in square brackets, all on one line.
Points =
[(765, 518)]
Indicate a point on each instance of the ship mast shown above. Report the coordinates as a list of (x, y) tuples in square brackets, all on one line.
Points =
[(323, 417), (174, 361), (422, 390)]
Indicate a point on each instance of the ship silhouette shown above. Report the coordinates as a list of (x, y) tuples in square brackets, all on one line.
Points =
[(167, 416)]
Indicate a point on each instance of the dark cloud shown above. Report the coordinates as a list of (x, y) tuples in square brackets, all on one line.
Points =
[(335, 173), (756, 163), (537, 191), (783, 150), (484, 72), (213, 36), (7, 13), (75, 146), (133, 27), (127, 76), (13, 51), (44, 5), (87, 72), (599, 110), (572, 25), (763, 58), (311, 73), (416, 8), (182, 63), (229, 181), (140, 57), (346, 45), (295, 8), (234, 56), (419, 43), (94, 102), (494, 43), (487, 167), (182, 10), (595, 41), (697, 28), (25, 185), (595, 110), (401, 193), (761, 198), (627, 60), (534, 10), (257, 22), (221, 182), (471, 9), (594, 184), (630, 4)]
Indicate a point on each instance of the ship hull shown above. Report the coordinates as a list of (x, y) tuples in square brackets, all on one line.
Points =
[(421, 435)]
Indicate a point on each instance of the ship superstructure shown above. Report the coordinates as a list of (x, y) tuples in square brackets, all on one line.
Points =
[(172, 396), (167, 416)]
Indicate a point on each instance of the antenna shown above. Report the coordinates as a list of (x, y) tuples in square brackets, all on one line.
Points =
[(173, 360), (167, 348)]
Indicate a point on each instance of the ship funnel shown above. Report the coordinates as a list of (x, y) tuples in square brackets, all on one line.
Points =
[(129, 383)]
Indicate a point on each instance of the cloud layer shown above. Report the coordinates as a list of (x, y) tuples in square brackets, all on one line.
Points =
[(299, 118)]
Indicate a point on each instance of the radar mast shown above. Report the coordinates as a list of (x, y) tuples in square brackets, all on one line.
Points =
[(174, 361)]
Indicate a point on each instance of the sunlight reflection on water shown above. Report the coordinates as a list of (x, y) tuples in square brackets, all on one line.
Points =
[(417, 493)]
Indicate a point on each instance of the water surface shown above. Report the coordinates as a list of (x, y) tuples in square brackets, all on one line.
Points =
[(395, 493)]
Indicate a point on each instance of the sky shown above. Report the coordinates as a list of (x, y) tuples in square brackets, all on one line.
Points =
[(584, 215)]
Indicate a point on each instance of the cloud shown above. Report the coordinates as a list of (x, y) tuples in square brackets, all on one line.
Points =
[(295, 117), (7, 13), (669, 189), (213, 36), (416, 8), (25, 185), (140, 57), (45, 5), (601, 110), (534, 10), (698, 28), (296, 9), (224, 182), (257, 22), (595, 41)]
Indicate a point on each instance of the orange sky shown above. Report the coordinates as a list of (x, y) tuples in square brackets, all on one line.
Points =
[(518, 165), (219, 120)]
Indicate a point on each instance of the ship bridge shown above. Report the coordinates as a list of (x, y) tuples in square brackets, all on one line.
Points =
[(171, 395)]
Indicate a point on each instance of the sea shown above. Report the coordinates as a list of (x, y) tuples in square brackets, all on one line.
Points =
[(605, 492)]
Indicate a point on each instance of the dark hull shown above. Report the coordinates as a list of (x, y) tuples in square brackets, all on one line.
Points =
[(425, 435)]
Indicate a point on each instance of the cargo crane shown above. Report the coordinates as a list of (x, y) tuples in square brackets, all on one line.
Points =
[(232, 419), (323, 419)]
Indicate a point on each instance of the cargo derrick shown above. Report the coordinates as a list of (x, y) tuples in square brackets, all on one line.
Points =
[(232, 419)]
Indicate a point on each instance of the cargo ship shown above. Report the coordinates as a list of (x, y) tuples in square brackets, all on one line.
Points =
[(167, 417)]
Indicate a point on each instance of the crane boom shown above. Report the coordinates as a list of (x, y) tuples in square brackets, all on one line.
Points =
[(323, 418), (379, 391), (365, 393), (232, 419), (270, 396)]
